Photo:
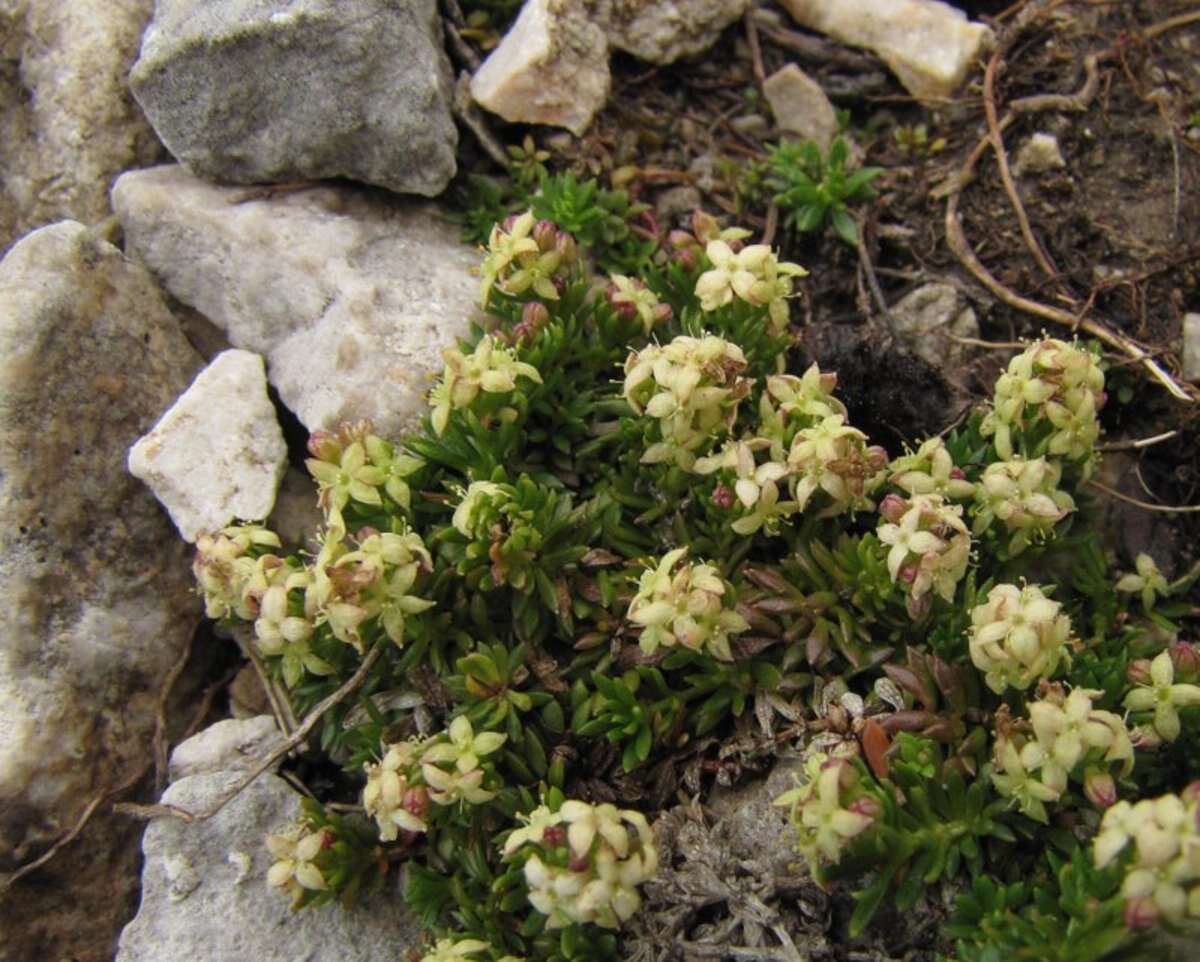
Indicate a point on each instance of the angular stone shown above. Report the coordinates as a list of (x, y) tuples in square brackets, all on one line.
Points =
[(96, 595), (1039, 154), (231, 745), (662, 31), (923, 317), (550, 68), (252, 91), (350, 296), (205, 896), (68, 124), (929, 45), (218, 454), (1190, 353), (800, 106)]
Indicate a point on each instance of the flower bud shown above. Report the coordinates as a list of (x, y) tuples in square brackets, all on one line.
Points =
[(567, 249), (868, 805), (325, 446), (545, 233), (509, 223), (681, 240), (686, 258), (1141, 913), (1138, 672), (723, 497), (1099, 788), (893, 507), (1186, 658)]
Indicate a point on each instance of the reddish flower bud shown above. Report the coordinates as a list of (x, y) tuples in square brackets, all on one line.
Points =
[(686, 258), (893, 508), (681, 240), (1185, 656), (663, 313), (723, 497), (324, 447), (534, 316), (1100, 788), (957, 474), (554, 836), (867, 805), (416, 801), (509, 223), (1138, 672), (1141, 913), (567, 248), (545, 234)]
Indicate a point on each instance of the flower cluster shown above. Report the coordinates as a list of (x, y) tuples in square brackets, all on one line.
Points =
[(525, 255), (584, 862), (691, 387), (1157, 691), (224, 566), (1053, 388), (931, 470), (490, 368), (355, 465), (1163, 878), (834, 459), (1065, 739), (755, 485), (753, 274), (456, 950), (443, 770), (930, 546), (296, 851), (1024, 496), (689, 608), (1018, 636), (829, 809)]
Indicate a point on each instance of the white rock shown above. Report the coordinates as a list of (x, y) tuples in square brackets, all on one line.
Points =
[(68, 124), (800, 106), (923, 317), (662, 31), (930, 46), (1190, 355), (96, 593), (550, 68), (1039, 154), (218, 454), (205, 896), (350, 296), (230, 745)]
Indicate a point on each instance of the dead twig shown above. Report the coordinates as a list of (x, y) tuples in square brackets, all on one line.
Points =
[(1171, 23), (1138, 444), (756, 60), (1146, 505), (1010, 187), (297, 737), (160, 716)]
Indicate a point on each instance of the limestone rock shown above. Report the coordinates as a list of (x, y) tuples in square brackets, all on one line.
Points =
[(252, 91), (68, 124), (928, 45), (350, 296), (297, 516), (800, 106), (1190, 355), (1039, 154), (205, 896), (218, 454), (228, 746), (923, 317), (550, 68), (662, 31), (96, 599)]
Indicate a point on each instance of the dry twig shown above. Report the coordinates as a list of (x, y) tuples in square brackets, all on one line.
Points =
[(1164, 508), (297, 737)]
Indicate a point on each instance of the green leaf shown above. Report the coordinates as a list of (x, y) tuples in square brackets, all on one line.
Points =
[(846, 229)]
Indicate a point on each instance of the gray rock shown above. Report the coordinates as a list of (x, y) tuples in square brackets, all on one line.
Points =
[(297, 516), (662, 31), (930, 46), (96, 595), (205, 896), (350, 296), (923, 317), (218, 454), (231, 745), (68, 124), (800, 106), (251, 91), (1190, 354), (676, 202), (550, 68)]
